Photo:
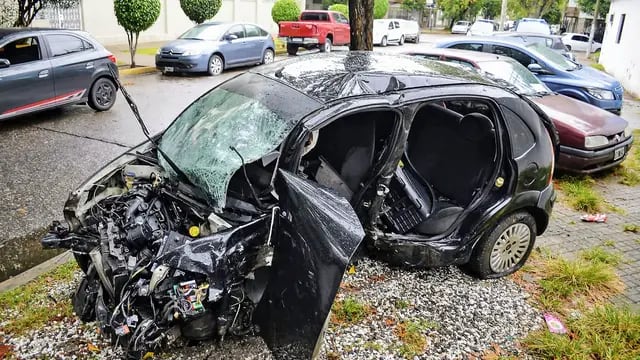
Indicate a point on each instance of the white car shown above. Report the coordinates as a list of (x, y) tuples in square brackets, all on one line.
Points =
[(460, 27), (411, 30), (579, 42), (387, 31), (532, 25), (482, 28)]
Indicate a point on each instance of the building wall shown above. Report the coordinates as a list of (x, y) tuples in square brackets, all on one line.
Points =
[(622, 59), (98, 18)]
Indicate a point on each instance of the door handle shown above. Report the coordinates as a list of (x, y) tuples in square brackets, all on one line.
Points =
[(89, 65), (43, 74)]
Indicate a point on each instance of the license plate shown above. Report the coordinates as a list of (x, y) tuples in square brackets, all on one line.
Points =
[(618, 153), (296, 39), (168, 68)]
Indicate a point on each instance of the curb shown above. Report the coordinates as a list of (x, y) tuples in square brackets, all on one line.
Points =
[(35, 271), (138, 70)]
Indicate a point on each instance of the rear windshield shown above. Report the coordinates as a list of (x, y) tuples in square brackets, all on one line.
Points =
[(313, 16)]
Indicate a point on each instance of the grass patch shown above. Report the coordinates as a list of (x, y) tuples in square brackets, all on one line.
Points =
[(629, 171), (34, 304), (349, 311), (600, 255), (145, 51), (401, 304), (632, 228), (604, 332), (598, 66), (609, 243), (564, 278), (580, 194), (373, 346), (412, 335)]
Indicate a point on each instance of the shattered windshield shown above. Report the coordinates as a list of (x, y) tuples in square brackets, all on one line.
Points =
[(246, 117)]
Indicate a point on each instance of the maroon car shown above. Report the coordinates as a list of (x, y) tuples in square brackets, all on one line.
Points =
[(591, 139)]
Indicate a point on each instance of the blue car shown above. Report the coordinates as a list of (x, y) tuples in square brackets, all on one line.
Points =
[(214, 46), (560, 74)]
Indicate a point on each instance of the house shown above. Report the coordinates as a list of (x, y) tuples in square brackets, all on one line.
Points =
[(98, 18), (619, 55)]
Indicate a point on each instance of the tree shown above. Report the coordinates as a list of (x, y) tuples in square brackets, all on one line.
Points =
[(28, 9), (456, 9), (8, 13), (414, 5), (341, 8), (531, 8), (327, 3), (490, 8), (200, 11), (380, 8), (588, 6), (136, 16), (285, 10), (361, 24)]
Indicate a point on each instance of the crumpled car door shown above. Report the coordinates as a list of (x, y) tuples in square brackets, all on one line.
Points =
[(318, 233)]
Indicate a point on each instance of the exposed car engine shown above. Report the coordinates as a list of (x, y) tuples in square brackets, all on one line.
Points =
[(159, 263)]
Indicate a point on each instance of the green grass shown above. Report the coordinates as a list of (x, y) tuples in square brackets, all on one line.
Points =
[(349, 311), (609, 243), (33, 303), (412, 335), (632, 228), (598, 66), (580, 194), (145, 51), (604, 332), (629, 171), (564, 278), (600, 255), (401, 304)]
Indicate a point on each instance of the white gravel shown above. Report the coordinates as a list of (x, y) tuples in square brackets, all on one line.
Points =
[(465, 316)]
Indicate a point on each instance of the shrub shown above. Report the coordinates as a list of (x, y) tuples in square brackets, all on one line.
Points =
[(341, 8), (380, 8), (200, 11), (136, 16), (285, 10)]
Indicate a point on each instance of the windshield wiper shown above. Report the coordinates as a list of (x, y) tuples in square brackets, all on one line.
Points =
[(145, 130)]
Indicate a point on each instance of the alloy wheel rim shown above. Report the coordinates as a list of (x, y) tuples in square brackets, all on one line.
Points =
[(510, 248), (268, 57), (104, 94), (216, 65)]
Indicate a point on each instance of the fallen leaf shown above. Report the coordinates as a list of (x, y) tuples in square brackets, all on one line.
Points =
[(5, 350), (92, 348)]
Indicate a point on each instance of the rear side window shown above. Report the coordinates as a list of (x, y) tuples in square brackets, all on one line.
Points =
[(64, 44), (468, 46), (21, 51), (518, 55), (252, 31), (521, 136)]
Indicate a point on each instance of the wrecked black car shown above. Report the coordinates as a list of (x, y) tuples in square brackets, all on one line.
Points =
[(241, 217)]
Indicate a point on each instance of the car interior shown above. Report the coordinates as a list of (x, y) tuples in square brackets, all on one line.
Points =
[(21, 51), (449, 157)]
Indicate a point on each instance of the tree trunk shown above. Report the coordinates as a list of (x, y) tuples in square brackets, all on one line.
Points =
[(592, 33), (361, 23)]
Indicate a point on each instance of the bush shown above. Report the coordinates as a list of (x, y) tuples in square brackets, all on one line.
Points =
[(285, 10), (136, 16), (341, 8), (200, 11), (380, 8)]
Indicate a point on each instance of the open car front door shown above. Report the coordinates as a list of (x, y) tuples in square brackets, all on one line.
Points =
[(318, 233)]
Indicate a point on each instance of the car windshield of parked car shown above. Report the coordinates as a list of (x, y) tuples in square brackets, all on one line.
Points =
[(552, 57), (205, 32), (524, 82), (238, 122)]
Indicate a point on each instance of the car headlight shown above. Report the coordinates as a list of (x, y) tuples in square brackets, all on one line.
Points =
[(158, 51), (191, 52), (600, 93), (627, 131), (595, 141)]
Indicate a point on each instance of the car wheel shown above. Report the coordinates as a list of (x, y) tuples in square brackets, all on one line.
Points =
[(401, 42), (292, 49), (417, 40), (505, 249), (216, 65), (568, 47), (383, 42), (327, 47), (102, 94), (268, 56)]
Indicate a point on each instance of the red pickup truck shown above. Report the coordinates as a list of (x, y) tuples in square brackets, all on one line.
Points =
[(315, 29)]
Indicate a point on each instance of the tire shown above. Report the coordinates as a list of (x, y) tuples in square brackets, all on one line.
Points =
[(102, 94), (417, 39), (327, 46), (383, 42), (268, 57), (401, 42), (516, 231), (216, 65), (568, 47), (292, 49)]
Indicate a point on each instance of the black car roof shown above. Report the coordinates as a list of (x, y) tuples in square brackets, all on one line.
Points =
[(328, 77)]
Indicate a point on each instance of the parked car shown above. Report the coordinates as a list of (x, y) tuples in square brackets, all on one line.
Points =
[(591, 139), (213, 47), (411, 30), (482, 27), (551, 41), (243, 214), (557, 72), (315, 29), (579, 42), (532, 25), (460, 27), (386, 31), (46, 68)]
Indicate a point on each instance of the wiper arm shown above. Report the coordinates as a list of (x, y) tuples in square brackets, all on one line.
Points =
[(145, 130)]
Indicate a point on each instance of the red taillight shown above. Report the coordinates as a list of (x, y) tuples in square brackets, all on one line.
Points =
[(112, 58)]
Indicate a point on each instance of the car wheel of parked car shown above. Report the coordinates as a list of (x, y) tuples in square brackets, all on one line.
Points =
[(383, 42), (401, 42), (568, 47), (417, 39), (292, 49), (268, 56), (102, 94), (505, 249), (216, 65), (327, 47)]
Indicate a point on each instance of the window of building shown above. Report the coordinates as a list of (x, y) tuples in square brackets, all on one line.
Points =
[(620, 27)]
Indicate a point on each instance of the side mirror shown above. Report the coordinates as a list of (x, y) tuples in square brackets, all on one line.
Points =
[(4, 63), (230, 37), (536, 68)]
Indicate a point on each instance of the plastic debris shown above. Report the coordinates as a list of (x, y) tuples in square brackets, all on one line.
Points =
[(598, 218), (554, 324)]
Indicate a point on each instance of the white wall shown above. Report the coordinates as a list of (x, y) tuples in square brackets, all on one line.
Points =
[(100, 20), (623, 60)]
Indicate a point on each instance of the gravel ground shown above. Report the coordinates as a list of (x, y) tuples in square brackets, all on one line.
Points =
[(465, 316)]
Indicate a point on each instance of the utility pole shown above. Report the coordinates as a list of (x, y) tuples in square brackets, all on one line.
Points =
[(593, 27), (503, 14)]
